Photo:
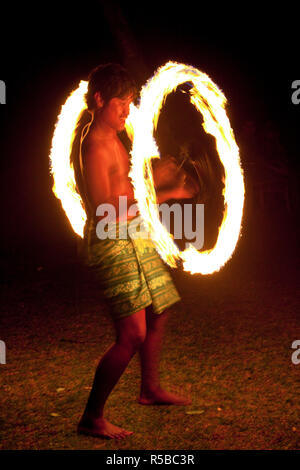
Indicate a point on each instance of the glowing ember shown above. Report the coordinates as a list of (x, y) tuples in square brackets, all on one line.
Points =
[(210, 102)]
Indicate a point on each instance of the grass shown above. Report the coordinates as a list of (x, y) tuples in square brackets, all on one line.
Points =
[(228, 346)]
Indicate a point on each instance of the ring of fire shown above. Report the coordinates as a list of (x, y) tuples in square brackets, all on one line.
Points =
[(140, 124), (210, 102)]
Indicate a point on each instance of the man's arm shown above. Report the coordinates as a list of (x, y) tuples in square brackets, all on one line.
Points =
[(180, 191), (171, 181)]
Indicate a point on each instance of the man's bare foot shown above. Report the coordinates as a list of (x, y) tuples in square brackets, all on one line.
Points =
[(101, 428), (162, 397)]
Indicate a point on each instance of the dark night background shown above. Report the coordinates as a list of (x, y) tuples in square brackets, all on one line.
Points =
[(236, 344), (249, 52)]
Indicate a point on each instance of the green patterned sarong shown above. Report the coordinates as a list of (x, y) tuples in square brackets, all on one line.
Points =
[(129, 271)]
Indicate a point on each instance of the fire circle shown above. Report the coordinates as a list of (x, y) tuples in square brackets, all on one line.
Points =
[(210, 102)]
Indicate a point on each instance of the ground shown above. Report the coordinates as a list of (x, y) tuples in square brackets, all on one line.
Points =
[(228, 346)]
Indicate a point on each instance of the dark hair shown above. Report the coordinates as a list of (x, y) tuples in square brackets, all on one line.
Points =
[(111, 80)]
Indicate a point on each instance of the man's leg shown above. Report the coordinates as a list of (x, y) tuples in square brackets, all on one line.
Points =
[(130, 334), (151, 392)]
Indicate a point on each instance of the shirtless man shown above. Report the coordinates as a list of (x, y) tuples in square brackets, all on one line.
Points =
[(105, 167)]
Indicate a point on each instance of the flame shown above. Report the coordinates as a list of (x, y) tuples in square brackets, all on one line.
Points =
[(64, 186), (210, 102)]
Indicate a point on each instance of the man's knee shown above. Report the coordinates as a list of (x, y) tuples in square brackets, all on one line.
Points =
[(157, 322), (133, 338), (137, 338), (132, 331)]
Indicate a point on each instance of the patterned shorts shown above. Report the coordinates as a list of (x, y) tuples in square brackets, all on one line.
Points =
[(129, 272)]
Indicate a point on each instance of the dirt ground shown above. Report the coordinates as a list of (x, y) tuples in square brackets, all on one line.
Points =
[(228, 346)]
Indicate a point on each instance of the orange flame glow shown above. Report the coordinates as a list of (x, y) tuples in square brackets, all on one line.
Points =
[(64, 186), (210, 102)]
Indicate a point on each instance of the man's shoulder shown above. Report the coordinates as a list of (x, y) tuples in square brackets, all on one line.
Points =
[(94, 148)]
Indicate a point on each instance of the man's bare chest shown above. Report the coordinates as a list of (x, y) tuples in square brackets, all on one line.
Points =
[(119, 164)]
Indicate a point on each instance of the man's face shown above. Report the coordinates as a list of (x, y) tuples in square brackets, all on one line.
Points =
[(116, 111)]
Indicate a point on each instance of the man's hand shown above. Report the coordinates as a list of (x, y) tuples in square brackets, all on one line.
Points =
[(186, 187), (171, 181), (165, 172)]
